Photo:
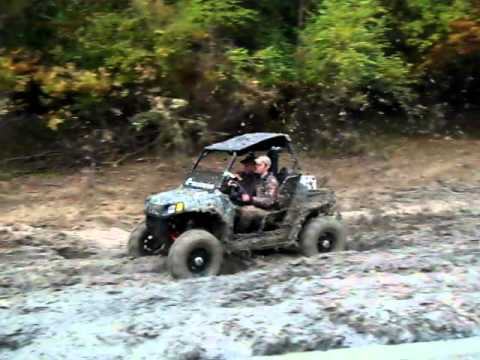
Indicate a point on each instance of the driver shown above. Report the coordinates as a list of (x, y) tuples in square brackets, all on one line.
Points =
[(248, 178), (265, 198)]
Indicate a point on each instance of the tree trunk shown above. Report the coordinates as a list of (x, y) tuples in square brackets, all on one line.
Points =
[(302, 8)]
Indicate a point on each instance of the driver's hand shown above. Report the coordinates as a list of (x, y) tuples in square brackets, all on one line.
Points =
[(246, 197)]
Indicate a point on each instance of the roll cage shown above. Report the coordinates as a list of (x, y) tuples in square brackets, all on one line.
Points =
[(270, 143)]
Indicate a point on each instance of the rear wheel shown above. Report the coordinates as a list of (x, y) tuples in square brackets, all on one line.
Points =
[(143, 243), (195, 253), (321, 235)]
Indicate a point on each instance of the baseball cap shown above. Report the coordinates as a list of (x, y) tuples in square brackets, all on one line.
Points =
[(263, 160), (249, 159)]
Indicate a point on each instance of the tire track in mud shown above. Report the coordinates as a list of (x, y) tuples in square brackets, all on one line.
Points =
[(49, 258), (407, 276), (421, 294), (66, 258)]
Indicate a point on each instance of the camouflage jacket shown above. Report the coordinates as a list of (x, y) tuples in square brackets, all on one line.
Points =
[(266, 192)]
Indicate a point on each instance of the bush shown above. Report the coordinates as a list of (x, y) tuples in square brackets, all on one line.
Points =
[(345, 53)]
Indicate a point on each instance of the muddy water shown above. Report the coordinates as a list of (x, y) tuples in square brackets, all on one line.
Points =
[(411, 274)]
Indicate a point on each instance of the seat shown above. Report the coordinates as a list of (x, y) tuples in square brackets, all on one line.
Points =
[(287, 190)]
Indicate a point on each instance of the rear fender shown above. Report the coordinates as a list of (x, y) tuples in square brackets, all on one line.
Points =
[(307, 214)]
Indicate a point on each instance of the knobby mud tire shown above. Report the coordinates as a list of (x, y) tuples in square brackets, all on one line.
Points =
[(318, 230), (136, 242), (191, 241)]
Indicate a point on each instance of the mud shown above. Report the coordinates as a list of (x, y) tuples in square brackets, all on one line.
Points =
[(411, 274)]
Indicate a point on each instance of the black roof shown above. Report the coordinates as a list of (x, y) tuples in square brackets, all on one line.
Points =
[(260, 141)]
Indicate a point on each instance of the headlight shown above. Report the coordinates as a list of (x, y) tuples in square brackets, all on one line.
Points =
[(175, 208), (151, 209), (179, 207)]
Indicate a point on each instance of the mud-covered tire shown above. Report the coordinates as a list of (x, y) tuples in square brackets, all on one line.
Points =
[(323, 234), (138, 242), (184, 256)]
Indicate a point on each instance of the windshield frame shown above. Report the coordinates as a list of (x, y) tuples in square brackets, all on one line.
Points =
[(209, 186)]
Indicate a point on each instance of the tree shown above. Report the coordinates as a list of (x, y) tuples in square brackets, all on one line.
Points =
[(345, 52)]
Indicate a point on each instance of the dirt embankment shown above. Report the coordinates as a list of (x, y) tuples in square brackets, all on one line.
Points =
[(411, 273), (113, 197)]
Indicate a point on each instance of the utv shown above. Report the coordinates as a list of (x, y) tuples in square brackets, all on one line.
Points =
[(195, 225)]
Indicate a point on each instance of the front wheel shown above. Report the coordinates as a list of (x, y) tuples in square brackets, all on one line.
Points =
[(143, 243), (322, 235), (195, 253)]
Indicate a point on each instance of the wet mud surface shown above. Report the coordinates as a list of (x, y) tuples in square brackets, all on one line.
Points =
[(411, 273)]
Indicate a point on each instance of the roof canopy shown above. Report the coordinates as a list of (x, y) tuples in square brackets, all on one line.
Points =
[(251, 142)]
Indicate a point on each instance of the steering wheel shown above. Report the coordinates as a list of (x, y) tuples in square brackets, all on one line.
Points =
[(232, 187)]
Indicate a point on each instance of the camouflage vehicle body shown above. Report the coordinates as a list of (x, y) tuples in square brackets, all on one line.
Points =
[(202, 206), (200, 203)]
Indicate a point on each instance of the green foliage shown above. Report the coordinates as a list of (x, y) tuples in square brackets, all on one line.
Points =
[(198, 27), (9, 81), (120, 42), (423, 23), (85, 64), (274, 65), (193, 21), (8, 78), (219, 14), (345, 51), (270, 66)]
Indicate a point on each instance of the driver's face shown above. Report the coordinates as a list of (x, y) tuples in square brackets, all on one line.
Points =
[(249, 167)]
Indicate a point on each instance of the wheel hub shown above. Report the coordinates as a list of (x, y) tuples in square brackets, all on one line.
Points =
[(199, 261), (151, 245), (326, 242), (147, 244)]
